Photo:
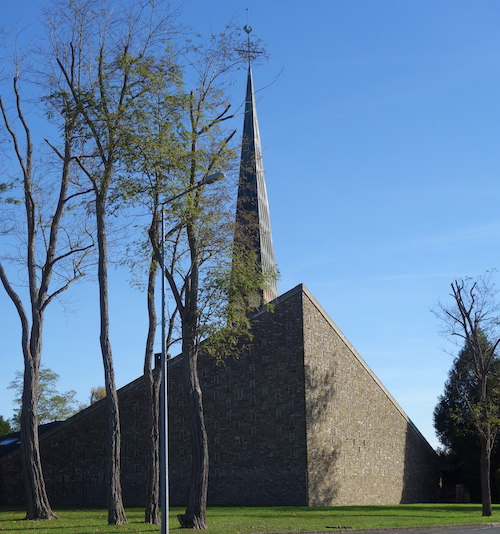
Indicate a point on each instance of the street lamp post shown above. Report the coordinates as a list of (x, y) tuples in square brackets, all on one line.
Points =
[(164, 490)]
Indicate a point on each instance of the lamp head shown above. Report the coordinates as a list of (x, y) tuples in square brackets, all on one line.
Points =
[(210, 179)]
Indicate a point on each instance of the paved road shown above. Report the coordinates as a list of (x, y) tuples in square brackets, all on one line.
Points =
[(483, 528)]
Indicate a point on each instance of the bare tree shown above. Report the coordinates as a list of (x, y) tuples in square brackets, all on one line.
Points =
[(474, 317), (53, 260)]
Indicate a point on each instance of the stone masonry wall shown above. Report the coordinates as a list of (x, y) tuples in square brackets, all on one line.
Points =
[(298, 419), (254, 408), (74, 456), (362, 448), (255, 416)]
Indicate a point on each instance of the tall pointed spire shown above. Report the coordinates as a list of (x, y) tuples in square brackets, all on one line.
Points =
[(253, 221)]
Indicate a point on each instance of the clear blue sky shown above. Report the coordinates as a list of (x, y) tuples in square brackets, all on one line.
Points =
[(380, 125)]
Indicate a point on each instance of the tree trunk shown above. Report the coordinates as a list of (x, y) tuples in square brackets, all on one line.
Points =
[(153, 384), (485, 469), (38, 506), (195, 515), (152, 512), (116, 512)]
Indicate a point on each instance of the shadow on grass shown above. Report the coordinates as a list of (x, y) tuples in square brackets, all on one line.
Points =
[(53, 526)]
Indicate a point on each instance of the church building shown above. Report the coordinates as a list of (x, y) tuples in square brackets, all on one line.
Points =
[(300, 419)]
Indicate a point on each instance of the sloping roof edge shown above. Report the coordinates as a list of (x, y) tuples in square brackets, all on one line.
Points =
[(355, 353), (57, 426), (300, 288)]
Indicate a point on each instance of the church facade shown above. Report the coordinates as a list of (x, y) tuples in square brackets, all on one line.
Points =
[(299, 420)]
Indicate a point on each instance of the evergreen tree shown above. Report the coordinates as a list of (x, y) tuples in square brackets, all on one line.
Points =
[(454, 427)]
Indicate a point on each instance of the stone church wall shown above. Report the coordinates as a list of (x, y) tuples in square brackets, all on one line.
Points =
[(254, 408), (256, 417), (299, 419), (74, 456), (362, 448)]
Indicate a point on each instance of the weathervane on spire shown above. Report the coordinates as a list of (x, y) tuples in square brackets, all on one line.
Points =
[(251, 51)]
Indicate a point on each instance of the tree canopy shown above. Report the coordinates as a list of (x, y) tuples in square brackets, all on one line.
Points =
[(53, 405), (5, 426), (97, 393)]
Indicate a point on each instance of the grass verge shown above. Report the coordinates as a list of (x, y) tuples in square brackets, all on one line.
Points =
[(240, 520)]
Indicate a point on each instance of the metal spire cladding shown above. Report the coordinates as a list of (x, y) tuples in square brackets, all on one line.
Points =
[(253, 221)]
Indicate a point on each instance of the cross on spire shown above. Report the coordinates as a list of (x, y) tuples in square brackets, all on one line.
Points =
[(251, 51)]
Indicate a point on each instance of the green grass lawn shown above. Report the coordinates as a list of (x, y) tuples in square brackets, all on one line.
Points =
[(239, 520)]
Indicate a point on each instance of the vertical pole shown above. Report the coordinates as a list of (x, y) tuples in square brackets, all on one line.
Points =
[(163, 394), (164, 491)]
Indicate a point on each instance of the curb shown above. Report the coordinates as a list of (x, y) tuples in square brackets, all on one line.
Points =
[(428, 528)]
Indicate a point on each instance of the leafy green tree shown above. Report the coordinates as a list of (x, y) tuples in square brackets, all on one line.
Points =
[(473, 317), (53, 405), (200, 239), (5, 426), (174, 148), (97, 393), (107, 58), (152, 151)]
